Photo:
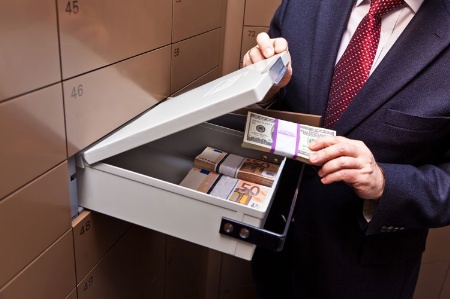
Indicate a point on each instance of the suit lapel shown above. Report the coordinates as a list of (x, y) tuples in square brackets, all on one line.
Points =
[(424, 38), (331, 23)]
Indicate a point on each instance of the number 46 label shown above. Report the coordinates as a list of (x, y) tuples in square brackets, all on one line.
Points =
[(77, 91)]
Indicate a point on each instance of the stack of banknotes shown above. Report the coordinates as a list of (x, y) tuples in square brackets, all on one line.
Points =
[(248, 169), (225, 187), (281, 137)]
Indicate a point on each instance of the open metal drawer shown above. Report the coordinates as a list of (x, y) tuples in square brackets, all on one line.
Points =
[(134, 173)]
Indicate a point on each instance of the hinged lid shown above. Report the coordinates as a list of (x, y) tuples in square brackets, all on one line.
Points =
[(228, 93)]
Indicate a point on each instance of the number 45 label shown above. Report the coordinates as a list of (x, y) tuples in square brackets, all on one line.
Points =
[(72, 7)]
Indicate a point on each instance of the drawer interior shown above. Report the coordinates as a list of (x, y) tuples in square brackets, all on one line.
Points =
[(170, 158)]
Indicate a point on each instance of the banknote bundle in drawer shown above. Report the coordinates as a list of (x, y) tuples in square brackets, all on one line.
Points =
[(228, 188), (235, 166)]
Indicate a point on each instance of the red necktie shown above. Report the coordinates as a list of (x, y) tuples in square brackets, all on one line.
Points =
[(352, 70)]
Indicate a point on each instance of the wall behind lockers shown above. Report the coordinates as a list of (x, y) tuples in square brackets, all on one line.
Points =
[(72, 71), (245, 19)]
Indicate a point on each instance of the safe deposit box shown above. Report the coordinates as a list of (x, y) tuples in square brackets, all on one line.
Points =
[(134, 173)]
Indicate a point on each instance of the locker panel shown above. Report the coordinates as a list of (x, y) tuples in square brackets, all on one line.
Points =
[(32, 219), (445, 291), (195, 17), (94, 234), (431, 279), (192, 271), (236, 279), (257, 14), (100, 32), (194, 57), (99, 102), (233, 36), (438, 245), (33, 137), (133, 268), (29, 53), (50, 276), (72, 295)]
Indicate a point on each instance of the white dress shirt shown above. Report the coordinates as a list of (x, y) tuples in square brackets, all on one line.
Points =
[(392, 25)]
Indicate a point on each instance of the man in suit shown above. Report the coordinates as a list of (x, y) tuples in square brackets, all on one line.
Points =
[(362, 217)]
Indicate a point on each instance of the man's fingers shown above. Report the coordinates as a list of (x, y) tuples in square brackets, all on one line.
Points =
[(265, 44), (326, 141), (339, 166), (280, 45), (265, 48), (255, 55), (332, 152), (350, 161), (330, 147)]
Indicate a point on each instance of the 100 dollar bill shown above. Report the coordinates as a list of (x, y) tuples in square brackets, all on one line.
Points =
[(288, 139)]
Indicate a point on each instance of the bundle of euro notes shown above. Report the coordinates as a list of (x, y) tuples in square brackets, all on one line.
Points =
[(225, 187), (281, 137), (247, 169)]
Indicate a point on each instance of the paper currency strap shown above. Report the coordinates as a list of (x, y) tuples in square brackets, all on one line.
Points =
[(224, 163), (286, 138), (230, 165)]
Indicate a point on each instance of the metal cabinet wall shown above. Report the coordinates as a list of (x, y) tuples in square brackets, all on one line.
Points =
[(72, 71), (245, 19)]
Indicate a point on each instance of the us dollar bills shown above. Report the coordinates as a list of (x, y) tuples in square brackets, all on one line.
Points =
[(281, 137)]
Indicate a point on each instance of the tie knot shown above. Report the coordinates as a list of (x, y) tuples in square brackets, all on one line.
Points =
[(379, 8)]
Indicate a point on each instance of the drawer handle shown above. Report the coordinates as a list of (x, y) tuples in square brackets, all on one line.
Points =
[(260, 236)]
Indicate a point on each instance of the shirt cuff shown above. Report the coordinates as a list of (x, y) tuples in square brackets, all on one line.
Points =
[(369, 209)]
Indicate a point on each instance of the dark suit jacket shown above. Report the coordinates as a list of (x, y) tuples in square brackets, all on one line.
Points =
[(402, 114)]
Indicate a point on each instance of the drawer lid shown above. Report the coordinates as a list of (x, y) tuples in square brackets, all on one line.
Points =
[(239, 89)]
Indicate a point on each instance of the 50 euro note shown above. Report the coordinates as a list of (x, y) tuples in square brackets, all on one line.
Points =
[(281, 137), (248, 169), (243, 192)]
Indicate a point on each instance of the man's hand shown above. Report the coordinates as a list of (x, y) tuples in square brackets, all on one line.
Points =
[(266, 48), (350, 161)]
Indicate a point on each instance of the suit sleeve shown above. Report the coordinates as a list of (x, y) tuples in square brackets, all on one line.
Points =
[(414, 197), (277, 20)]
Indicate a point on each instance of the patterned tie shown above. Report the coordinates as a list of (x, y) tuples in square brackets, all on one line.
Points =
[(352, 70)]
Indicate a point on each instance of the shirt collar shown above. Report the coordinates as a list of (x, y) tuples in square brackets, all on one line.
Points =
[(413, 4)]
